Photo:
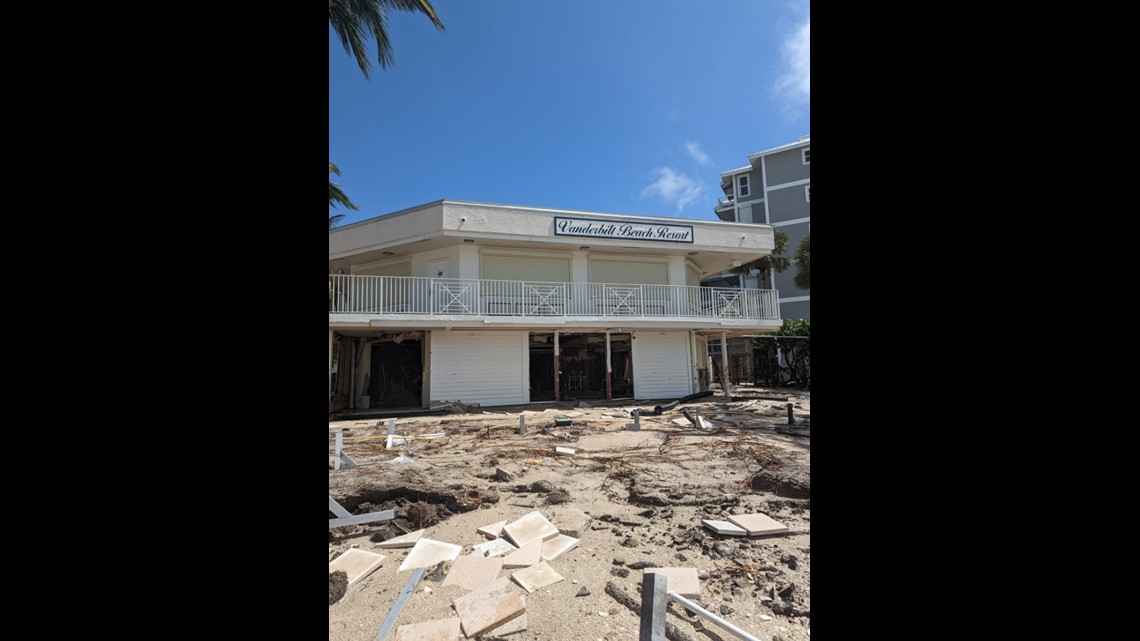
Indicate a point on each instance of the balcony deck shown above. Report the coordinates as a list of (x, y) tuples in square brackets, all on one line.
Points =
[(394, 297)]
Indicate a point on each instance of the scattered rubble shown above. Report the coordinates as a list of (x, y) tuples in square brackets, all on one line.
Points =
[(666, 494)]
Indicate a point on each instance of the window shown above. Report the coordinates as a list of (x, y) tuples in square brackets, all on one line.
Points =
[(807, 192), (807, 155), (744, 185)]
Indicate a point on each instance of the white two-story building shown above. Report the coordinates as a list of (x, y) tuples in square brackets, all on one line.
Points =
[(499, 304)]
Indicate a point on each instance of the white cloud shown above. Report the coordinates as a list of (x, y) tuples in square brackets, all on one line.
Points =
[(674, 187), (697, 154), (794, 81)]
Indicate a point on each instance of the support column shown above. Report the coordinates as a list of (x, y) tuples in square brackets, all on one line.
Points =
[(352, 374), (609, 371), (724, 365), (557, 368), (695, 362), (330, 367)]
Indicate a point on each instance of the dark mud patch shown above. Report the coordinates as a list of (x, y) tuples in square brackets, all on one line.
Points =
[(793, 484), (455, 499), (338, 585), (644, 493)]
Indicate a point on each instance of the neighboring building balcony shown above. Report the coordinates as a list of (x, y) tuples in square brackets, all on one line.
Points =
[(400, 296), (725, 209)]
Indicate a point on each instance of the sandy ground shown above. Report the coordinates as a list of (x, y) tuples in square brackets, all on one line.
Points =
[(646, 492)]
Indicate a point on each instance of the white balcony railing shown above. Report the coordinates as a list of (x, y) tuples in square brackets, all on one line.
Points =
[(383, 295)]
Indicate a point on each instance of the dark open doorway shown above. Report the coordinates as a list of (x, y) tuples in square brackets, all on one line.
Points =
[(541, 367), (583, 366), (397, 372)]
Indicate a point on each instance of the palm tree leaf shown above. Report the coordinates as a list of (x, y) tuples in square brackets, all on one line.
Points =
[(803, 263), (775, 261), (354, 21)]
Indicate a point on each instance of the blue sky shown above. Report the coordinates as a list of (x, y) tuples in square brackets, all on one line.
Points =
[(618, 106)]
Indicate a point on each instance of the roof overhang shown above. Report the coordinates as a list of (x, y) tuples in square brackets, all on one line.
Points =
[(711, 245)]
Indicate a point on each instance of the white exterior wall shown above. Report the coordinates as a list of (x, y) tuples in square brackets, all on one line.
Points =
[(506, 221), (661, 367), (420, 261), (365, 235), (468, 262), (491, 368)]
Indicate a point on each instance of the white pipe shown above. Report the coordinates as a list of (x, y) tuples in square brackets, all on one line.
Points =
[(712, 617)]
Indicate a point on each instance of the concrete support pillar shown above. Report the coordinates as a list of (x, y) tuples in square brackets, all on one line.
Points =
[(609, 371), (695, 362), (352, 373), (724, 365), (557, 369)]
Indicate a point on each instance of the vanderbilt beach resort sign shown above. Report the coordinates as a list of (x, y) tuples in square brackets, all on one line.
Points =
[(622, 230)]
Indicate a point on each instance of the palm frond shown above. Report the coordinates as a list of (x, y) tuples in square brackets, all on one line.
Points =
[(336, 195), (354, 21), (775, 261), (803, 263)]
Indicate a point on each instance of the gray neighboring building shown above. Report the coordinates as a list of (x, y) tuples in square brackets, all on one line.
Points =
[(774, 188)]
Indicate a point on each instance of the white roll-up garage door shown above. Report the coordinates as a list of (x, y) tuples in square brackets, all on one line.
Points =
[(620, 271), (491, 368), (531, 268), (398, 269), (661, 365)]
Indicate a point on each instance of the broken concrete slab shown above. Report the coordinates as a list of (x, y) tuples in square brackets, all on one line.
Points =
[(437, 630), (558, 546), (504, 475), (570, 521), (683, 422), (574, 414), (529, 527), (757, 524), (473, 572), (488, 607), (566, 451), (524, 557), (492, 531), (536, 576), (494, 547), (427, 553), (356, 563), (517, 624), (683, 581), (405, 541), (724, 527)]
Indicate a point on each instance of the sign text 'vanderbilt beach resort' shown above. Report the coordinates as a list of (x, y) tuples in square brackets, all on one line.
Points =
[(622, 230)]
